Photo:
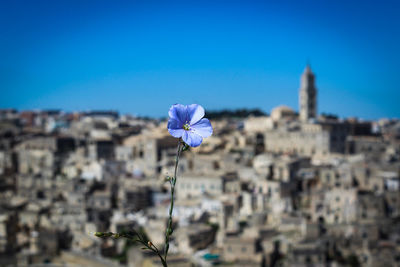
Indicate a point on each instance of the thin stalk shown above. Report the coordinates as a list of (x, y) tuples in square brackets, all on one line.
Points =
[(153, 248), (148, 244), (164, 263), (168, 232), (172, 182)]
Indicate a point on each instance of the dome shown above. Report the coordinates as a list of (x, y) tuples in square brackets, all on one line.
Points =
[(282, 112)]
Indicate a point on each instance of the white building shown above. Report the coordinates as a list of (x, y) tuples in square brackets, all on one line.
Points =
[(196, 186)]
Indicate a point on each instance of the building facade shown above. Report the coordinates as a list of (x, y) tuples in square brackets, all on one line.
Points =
[(308, 96)]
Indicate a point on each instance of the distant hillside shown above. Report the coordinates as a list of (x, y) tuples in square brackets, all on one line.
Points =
[(237, 113)]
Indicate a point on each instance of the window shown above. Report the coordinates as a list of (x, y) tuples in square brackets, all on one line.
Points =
[(328, 177), (190, 164), (216, 165), (364, 235)]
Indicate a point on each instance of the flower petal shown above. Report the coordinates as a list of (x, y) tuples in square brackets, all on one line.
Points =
[(178, 112), (175, 128), (192, 139), (202, 128), (195, 113)]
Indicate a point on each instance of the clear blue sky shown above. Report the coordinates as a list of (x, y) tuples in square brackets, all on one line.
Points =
[(140, 57)]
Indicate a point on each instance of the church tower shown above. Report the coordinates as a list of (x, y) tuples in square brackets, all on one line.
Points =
[(308, 96)]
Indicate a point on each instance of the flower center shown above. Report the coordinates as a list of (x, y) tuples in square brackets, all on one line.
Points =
[(186, 127)]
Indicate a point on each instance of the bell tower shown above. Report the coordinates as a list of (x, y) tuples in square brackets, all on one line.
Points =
[(308, 95)]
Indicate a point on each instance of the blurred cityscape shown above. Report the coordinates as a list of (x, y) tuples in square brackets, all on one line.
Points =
[(284, 189)]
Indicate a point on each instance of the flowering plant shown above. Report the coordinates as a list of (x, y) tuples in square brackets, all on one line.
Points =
[(187, 124)]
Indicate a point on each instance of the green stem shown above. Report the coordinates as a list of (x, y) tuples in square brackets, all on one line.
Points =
[(168, 232), (153, 248), (139, 239), (164, 263), (172, 182)]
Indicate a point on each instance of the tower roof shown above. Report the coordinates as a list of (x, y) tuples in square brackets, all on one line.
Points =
[(307, 69)]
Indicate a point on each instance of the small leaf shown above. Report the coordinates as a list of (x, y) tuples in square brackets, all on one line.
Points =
[(117, 235), (185, 147), (103, 234)]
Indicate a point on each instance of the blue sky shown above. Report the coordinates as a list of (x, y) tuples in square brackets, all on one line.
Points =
[(140, 57)]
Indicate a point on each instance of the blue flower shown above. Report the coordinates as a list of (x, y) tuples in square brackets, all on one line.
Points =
[(188, 122)]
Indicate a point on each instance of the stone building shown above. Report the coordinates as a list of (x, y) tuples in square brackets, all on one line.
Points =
[(149, 149), (134, 194), (191, 186), (310, 136), (334, 206), (242, 249), (282, 113), (194, 237), (308, 96)]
